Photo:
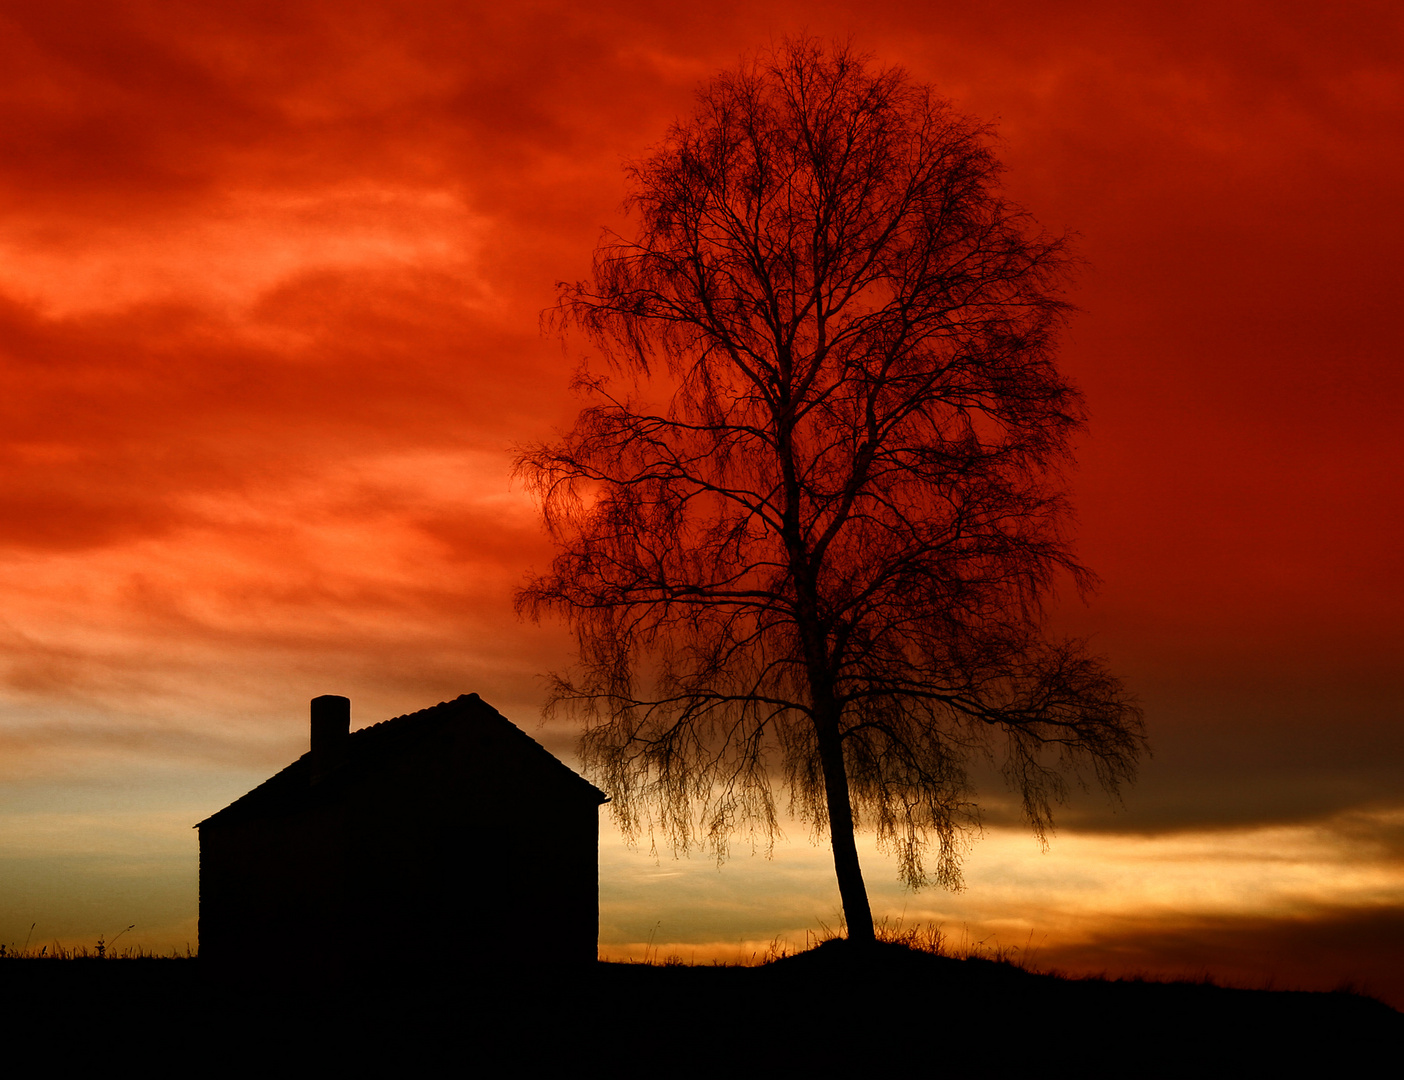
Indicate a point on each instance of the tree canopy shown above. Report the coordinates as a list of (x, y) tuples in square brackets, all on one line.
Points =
[(809, 518)]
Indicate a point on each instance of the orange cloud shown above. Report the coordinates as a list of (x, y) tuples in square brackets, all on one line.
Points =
[(270, 280)]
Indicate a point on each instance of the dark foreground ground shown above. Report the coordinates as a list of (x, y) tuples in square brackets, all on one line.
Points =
[(892, 1011)]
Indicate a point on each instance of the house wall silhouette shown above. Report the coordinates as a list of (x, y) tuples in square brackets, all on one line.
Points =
[(444, 836)]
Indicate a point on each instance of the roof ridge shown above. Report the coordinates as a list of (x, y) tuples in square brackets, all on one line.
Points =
[(465, 706), (427, 709)]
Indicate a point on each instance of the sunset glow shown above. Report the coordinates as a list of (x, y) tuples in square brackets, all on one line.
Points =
[(271, 283)]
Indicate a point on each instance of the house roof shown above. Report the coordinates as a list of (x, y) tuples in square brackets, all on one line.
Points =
[(367, 749)]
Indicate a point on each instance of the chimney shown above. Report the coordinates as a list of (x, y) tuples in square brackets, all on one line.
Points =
[(331, 728)]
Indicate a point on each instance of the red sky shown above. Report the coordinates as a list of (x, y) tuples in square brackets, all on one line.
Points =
[(270, 281)]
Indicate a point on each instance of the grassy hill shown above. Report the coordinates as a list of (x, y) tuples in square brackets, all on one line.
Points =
[(891, 1009)]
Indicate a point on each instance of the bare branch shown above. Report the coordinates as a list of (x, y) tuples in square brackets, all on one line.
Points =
[(823, 562)]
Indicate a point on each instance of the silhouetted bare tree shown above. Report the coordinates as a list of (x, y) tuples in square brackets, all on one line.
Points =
[(819, 554)]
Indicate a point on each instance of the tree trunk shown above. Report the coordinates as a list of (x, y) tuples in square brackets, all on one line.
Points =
[(854, 894)]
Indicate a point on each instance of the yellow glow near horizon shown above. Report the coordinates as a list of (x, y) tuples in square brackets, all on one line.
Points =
[(1083, 885)]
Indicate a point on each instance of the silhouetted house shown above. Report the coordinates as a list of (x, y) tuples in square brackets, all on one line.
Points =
[(448, 835)]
